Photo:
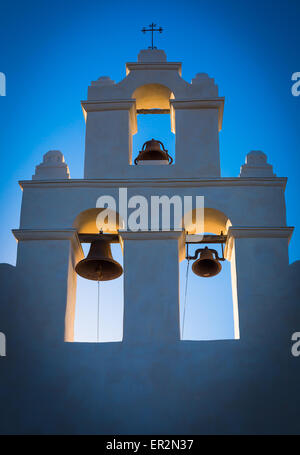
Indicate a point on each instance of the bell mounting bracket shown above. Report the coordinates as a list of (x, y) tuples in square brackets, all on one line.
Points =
[(199, 250), (89, 238), (207, 238)]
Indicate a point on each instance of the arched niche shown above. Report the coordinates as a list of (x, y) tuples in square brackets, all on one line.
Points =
[(87, 222), (84, 295), (154, 99), (152, 96), (215, 222)]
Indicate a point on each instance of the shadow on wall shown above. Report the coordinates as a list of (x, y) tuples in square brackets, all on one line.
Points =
[(51, 387), (201, 323), (8, 305)]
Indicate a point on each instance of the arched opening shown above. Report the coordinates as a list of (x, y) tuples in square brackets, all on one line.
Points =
[(110, 328), (152, 96), (208, 306), (215, 222), (153, 117), (87, 221)]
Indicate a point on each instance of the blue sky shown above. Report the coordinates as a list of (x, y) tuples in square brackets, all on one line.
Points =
[(50, 51)]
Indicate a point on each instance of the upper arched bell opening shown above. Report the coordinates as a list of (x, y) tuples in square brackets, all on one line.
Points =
[(91, 221), (152, 97), (214, 222)]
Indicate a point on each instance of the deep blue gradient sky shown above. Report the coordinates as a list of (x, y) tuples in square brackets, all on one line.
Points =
[(51, 50)]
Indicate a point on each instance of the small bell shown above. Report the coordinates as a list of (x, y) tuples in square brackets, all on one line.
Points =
[(206, 266), (99, 264), (153, 150)]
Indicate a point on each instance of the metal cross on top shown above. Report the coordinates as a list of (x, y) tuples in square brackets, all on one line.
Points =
[(152, 29)]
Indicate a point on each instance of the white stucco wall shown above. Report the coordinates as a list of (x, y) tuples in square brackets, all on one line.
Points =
[(151, 382)]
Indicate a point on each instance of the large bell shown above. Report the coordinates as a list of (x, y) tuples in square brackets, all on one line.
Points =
[(206, 266), (99, 264), (153, 150)]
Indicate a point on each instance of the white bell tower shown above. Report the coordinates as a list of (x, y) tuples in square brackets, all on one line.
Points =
[(153, 85), (174, 384)]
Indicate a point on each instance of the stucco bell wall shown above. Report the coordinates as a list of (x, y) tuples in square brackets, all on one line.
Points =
[(152, 382), (246, 202)]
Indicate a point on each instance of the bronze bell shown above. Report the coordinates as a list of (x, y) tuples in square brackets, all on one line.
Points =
[(206, 266), (99, 264), (153, 150)]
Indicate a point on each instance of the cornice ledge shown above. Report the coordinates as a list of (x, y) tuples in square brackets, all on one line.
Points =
[(198, 103), (107, 105), (266, 231), (154, 66), (247, 232), (111, 105), (157, 182), (45, 234), (201, 103), (156, 235), (151, 235)]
